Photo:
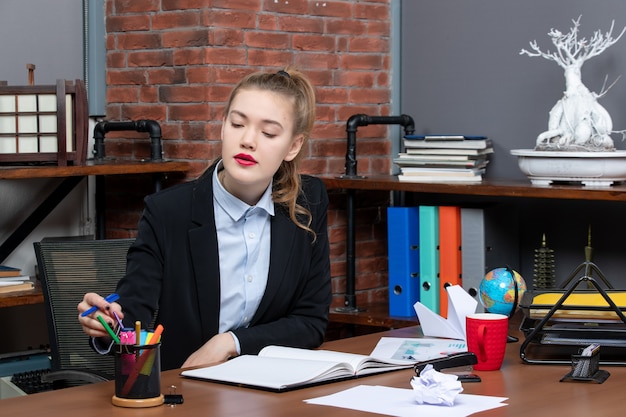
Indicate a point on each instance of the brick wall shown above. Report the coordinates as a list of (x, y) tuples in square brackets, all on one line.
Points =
[(175, 61)]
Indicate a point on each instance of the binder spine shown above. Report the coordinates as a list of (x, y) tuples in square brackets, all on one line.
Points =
[(449, 253), (429, 256), (403, 250)]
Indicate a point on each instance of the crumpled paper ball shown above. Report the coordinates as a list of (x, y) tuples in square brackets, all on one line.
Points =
[(433, 387)]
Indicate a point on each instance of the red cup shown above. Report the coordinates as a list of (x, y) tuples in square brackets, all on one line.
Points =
[(486, 335)]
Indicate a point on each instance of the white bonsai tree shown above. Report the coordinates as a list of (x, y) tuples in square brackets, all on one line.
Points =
[(577, 121)]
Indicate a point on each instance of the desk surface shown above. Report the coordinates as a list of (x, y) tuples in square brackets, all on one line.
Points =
[(532, 390)]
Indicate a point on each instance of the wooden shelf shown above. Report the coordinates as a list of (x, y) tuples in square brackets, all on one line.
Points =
[(18, 298), (377, 315), (494, 188), (91, 167)]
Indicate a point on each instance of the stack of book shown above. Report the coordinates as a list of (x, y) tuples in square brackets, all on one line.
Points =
[(444, 158), (12, 280)]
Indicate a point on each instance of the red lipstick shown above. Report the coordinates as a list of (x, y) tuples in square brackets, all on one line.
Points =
[(245, 159)]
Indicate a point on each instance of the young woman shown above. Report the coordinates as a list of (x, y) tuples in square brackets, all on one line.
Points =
[(239, 258)]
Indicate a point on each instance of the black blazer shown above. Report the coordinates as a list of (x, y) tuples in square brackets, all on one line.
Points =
[(173, 272)]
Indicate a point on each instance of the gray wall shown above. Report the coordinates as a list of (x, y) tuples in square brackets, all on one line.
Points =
[(49, 34), (462, 72), (46, 33)]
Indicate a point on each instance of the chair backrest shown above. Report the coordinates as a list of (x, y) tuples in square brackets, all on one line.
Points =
[(68, 269)]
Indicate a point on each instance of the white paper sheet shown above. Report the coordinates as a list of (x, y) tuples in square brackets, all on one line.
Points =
[(460, 305), (400, 402)]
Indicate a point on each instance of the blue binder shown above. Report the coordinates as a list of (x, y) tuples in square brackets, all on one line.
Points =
[(429, 256), (403, 250)]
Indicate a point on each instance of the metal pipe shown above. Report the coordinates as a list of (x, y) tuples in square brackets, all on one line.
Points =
[(357, 120), (152, 127), (351, 172)]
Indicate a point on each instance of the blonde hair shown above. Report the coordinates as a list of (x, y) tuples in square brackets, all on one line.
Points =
[(293, 84)]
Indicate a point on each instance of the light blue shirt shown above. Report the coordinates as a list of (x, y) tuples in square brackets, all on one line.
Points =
[(243, 237)]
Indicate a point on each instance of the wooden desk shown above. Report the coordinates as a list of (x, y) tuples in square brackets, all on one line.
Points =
[(72, 175), (533, 390)]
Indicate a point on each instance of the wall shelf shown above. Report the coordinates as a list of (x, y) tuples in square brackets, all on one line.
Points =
[(485, 191)]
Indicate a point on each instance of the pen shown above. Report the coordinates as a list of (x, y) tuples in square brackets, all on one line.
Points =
[(137, 333), (108, 299), (108, 329), (119, 322)]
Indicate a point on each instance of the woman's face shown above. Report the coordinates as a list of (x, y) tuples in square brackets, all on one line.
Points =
[(257, 135)]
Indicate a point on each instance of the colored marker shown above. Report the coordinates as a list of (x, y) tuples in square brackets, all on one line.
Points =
[(137, 333), (119, 321), (154, 339), (108, 329), (108, 299)]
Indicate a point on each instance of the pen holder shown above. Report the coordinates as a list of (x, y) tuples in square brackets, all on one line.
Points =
[(138, 376), (586, 368)]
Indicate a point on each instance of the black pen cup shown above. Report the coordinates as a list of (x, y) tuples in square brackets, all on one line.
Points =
[(138, 376)]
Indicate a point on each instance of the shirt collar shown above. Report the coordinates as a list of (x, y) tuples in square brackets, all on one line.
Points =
[(233, 206)]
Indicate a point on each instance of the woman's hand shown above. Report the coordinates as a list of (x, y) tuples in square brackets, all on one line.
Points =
[(218, 349), (91, 325)]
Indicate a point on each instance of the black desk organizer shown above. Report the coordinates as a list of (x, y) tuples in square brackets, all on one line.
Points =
[(560, 341), (586, 369)]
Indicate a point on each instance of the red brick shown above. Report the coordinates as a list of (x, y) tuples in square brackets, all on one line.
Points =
[(182, 94), (150, 59), (273, 58), (189, 56), (166, 76), (238, 4), (138, 112), (295, 23), (184, 4), (128, 23), (266, 40), (126, 77), (296, 7), (133, 41), (226, 37), (332, 8), (371, 11), (225, 56), (314, 43), (229, 19), (135, 6), (189, 112), (181, 39), (175, 20), (122, 95)]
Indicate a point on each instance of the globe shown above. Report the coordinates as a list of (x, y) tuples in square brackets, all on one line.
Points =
[(497, 290)]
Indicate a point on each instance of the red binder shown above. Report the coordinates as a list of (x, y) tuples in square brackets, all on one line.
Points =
[(449, 253)]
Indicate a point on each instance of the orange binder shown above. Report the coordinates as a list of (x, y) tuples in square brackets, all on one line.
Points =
[(449, 253)]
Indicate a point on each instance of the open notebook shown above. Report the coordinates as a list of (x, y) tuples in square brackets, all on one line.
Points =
[(279, 368)]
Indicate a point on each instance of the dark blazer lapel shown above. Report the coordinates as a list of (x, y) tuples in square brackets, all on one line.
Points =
[(205, 255), (283, 233)]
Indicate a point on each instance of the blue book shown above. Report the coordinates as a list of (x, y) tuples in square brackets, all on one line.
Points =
[(403, 250), (429, 257)]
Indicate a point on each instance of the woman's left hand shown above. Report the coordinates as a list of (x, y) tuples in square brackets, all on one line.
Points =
[(218, 349)]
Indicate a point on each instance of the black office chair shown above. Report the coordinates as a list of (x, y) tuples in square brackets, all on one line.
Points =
[(68, 268)]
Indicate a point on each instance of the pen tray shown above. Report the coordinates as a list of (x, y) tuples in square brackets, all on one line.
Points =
[(586, 368)]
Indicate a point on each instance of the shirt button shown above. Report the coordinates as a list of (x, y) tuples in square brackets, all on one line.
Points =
[(249, 278), (251, 235)]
